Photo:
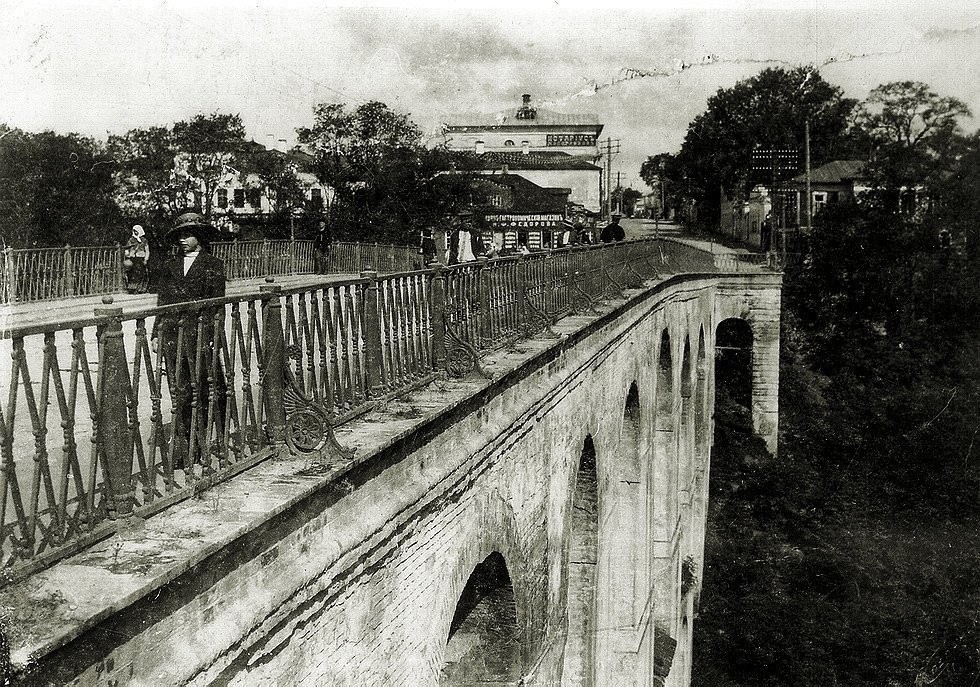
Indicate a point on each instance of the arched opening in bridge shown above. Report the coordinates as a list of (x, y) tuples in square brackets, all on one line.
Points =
[(687, 422), (625, 537), (733, 361), (484, 644), (583, 550), (701, 400), (664, 587), (664, 446)]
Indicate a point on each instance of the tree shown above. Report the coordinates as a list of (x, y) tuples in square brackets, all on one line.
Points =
[(209, 148), (387, 184), (148, 188), (659, 171), (277, 174), (625, 199), (769, 110), (56, 189), (909, 128)]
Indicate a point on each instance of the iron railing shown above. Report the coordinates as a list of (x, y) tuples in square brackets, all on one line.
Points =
[(39, 274), (263, 258), (351, 258), (102, 421)]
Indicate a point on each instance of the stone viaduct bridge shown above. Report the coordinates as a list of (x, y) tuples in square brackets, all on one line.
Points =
[(488, 474)]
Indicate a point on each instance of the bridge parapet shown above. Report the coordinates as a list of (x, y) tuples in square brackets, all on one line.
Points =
[(315, 359)]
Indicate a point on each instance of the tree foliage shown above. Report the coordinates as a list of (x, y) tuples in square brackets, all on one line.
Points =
[(849, 559), (55, 189), (209, 147), (911, 128), (277, 174), (660, 172), (148, 189), (768, 110), (387, 184)]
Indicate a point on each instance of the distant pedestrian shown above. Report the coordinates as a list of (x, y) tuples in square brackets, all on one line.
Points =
[(135, 258), (427, 247), (464, 241), (321, 248), (193, 275), (613, 231)]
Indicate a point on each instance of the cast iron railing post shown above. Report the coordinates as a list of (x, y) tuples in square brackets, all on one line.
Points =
[(114, 433), (522, 315), (120, 275), (483, 302), (372, 335), (273, 380), (438, 314), (10, 273)]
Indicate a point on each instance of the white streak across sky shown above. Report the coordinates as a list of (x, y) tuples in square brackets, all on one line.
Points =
[(97, 67)]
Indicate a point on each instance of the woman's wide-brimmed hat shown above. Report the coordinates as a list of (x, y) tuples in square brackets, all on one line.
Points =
[(192, 223)]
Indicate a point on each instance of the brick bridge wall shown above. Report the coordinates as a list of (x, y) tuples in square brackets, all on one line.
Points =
[(352, 577)]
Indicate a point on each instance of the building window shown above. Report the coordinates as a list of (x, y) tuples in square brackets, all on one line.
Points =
[(316, 197), (239, 197), (819, 202), (496, 201), (222, 198), (508, 143), (254, 197)]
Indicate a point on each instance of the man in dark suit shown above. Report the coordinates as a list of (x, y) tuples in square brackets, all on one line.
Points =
[(613, 231), (187, 336)]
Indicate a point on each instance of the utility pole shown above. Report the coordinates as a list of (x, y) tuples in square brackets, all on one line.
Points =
[(806, 155), (610, 151), (619, 187)]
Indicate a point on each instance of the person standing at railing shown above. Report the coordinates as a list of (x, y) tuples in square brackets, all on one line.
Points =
[(427, 247), (135, 259), (193, 275), (321, 248), (613, 231)]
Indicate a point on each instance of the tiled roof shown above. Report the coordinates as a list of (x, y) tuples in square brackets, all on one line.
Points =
[(836, 172), (509, 118), (525, 196), (520, 161)]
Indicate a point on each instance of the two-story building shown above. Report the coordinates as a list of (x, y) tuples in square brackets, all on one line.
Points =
[(242, 202), (550, 149), (519, 212)]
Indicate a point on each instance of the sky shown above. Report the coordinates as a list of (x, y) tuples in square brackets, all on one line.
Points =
[(106, 67)]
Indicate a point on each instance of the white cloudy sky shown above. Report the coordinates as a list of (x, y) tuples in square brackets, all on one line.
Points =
[(94, 67)]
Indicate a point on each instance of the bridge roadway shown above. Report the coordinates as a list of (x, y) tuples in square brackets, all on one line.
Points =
[(347, 571)]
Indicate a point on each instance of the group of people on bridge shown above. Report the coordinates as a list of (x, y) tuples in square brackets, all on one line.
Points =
[(463, 242)]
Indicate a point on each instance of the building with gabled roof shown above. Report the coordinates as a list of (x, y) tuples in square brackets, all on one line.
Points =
[(519, 211), (830, 183), (551, 149)]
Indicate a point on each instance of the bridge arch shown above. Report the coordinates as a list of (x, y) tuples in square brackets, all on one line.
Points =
[(664, 473), (492, 544), (581, 565), (484, 645), (734, 343)]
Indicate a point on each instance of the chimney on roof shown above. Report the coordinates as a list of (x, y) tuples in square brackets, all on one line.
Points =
[(526, 147), (504, 169), (480, 147), (526, 111)]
